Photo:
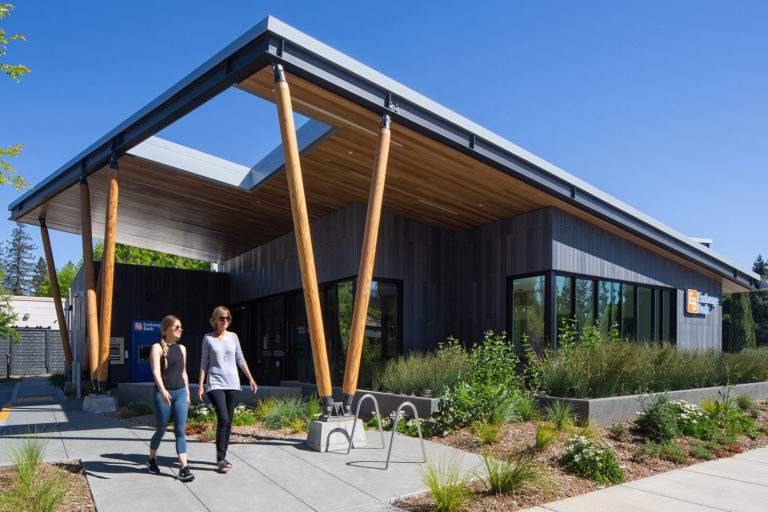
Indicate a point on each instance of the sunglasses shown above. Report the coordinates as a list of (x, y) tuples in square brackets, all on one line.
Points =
[(225, 318), (178, 328)]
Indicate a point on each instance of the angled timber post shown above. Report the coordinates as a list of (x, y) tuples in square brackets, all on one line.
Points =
[(303, 239), (365, 273), (56, 295), (91, 352), (108, 275)]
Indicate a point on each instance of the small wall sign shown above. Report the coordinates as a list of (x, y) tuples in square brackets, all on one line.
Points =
[(700, 303)]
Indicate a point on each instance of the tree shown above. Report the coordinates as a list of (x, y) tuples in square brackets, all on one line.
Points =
[(759, 303), (65, 275), (136, 256), (17, 262), (741, 328), (7, 173), (40, 277)]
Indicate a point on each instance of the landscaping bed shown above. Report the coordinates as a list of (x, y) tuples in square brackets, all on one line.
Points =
[(516, 438)]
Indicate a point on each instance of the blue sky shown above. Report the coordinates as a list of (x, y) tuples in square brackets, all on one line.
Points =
[(661, 104)]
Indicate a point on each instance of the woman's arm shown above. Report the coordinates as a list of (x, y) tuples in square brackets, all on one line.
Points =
[(243, 365), (203, 368), (184, 374), (154, 363)]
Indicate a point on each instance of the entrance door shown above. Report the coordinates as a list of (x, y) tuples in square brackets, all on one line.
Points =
[(271, 340)]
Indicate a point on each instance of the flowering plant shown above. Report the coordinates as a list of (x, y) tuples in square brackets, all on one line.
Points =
[(589, 460), (692, 421)]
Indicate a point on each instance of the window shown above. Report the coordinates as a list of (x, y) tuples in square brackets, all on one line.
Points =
[(528, 310), (644, 315), (563, 301), (607, 306), (628, 312), (585, 303)]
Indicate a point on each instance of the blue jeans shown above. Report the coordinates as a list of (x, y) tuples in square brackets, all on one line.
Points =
[(178, 410)]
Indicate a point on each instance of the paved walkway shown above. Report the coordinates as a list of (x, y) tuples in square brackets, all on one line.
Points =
[(268, 474), (281, 474)]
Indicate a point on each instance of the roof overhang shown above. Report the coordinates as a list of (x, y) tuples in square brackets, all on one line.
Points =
[(444, 170)]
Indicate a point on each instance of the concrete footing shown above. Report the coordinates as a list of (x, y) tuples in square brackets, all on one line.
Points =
[(330, 435), (99, 403)]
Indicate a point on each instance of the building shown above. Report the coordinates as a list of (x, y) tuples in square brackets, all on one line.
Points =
[(476, 233)]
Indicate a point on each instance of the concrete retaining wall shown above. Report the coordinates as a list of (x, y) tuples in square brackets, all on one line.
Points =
[(388, 402), (607, 411), (142, 392)]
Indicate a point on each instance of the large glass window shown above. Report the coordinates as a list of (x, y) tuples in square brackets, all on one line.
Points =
[(628, 311), (585, 303), (667, 315), (528, 310), (563, 301), (607, 306), (644, 313)]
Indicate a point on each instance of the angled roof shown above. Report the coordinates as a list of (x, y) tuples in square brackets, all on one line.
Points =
[(444, 170)]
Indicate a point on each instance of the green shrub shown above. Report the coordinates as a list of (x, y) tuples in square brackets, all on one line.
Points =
[(693, 421), (658, 419), (527, 407), (613, 368), (290, 413), (58, 380), (201, 413), (136, 409), (618, 431), (244, 415), (586, 459), (487, 432), (476, 401), (494, 361), (513, 474), (426, 374), (666, 451), (545, 436), (449, 486), (700, 451), (747, 405), (561, 415)]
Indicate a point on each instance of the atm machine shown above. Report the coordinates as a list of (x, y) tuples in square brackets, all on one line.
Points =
[(144, 334)]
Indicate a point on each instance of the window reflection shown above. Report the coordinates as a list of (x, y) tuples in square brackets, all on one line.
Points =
[(528, 310)]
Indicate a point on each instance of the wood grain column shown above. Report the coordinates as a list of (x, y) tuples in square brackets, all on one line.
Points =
[(91, 351), (365, 272), (56, 295), (108, 275), (303, 238)]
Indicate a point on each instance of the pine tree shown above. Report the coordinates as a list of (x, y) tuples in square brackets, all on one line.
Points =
[(741, 333), (18, 266), (759, 303), (40, 278)]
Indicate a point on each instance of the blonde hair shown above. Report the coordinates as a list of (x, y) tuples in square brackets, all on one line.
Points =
[(217, 312), (165, 324)]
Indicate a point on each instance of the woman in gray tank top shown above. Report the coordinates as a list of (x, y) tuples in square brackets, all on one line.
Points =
[(168, 360)]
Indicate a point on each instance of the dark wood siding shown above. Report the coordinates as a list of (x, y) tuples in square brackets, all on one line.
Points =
[(581, 248)]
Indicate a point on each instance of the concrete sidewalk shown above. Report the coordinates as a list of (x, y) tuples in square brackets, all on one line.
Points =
[(268, 474)]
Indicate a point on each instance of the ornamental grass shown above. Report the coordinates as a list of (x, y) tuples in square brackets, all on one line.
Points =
[(615, 368)]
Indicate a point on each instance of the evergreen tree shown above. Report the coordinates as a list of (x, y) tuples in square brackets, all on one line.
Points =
[(18, 266), (759, 303), (741, 332), (760, 267), (40, 277)]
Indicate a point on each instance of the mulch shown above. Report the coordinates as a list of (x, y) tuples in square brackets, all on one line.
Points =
[(78, 496)]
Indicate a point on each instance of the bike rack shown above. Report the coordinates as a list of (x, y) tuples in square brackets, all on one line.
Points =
[(357, 416), (394, 430)]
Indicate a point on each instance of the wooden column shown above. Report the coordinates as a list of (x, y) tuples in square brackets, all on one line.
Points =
[(107, 275), (365, 273), (91, 351), (56, 295), (303, 239)]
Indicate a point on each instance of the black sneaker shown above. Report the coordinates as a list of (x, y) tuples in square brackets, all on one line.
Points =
[(152, 466), (185, 475)]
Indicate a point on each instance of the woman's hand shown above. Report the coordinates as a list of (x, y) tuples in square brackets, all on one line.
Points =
[(200, 392), (166, 396), (254, 386)]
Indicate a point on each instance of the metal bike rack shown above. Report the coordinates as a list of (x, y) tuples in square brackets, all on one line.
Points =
[(357, 416), (394, 430)]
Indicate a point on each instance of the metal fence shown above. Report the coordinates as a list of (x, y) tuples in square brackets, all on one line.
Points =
[(39, 351)]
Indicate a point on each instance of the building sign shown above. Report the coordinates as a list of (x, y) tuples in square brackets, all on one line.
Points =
[(700, 303)]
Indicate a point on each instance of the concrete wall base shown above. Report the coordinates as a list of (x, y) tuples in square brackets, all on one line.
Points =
[(617, 409), (99, 403), (142, 392), (329, 435)]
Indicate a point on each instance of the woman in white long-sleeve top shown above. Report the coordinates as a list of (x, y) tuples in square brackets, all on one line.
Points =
[(221, 355)]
